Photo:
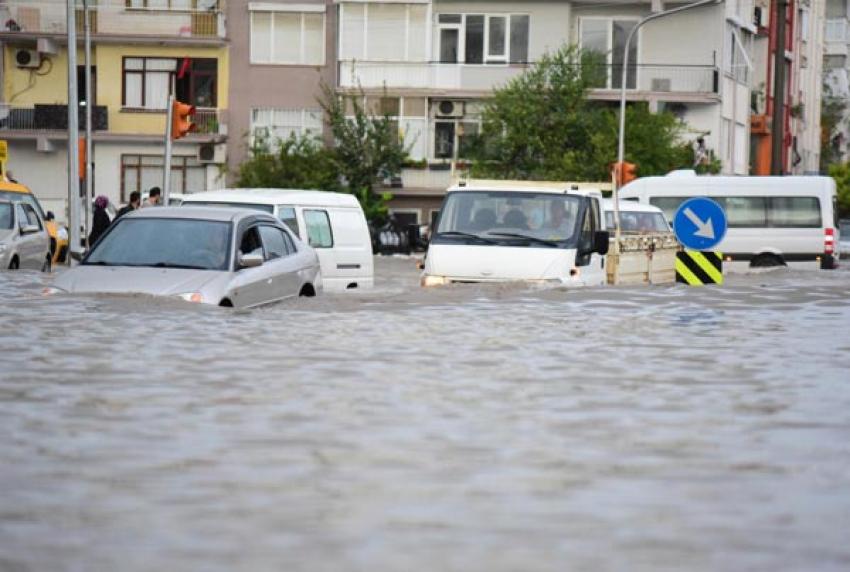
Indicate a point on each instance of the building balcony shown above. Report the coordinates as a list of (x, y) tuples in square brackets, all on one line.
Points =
[(476, 80), (197, 21), (40, 119), (51, 122)]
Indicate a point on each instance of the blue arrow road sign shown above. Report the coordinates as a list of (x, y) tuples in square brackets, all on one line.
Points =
[(700, 223)]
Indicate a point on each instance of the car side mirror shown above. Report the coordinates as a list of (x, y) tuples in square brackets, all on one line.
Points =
[(250, 260), (49, 216), (601, 242), (29, 229)]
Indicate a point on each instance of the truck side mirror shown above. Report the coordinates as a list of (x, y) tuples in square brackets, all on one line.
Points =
[(601, 242)]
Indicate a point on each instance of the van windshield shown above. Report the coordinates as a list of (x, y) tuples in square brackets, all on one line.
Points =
[(636, 221), (512, 218)]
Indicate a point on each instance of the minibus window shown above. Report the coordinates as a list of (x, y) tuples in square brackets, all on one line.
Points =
[(667, 204), (797, 212), (746, 212)]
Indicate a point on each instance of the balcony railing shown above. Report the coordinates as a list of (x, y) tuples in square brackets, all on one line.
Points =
[(210, 122), (48, 118), (186, 18), (650, 78)]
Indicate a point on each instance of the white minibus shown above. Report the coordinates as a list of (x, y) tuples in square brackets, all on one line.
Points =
[(332, 223), (518, 233), (772, 221)]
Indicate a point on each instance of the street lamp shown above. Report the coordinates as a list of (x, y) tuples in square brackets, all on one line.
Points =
[(621, 149)]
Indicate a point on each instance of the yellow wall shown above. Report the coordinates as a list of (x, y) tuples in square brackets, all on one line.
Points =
[(51, 87)]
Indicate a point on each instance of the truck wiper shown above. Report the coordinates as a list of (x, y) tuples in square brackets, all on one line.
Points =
[(551, 243), (460, 234)]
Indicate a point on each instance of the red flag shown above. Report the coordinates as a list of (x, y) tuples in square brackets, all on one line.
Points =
[(184, 68)]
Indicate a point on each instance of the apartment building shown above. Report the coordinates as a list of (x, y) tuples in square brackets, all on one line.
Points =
[(432, 65), (281, 52), (836, 70), (803, 57), (140, 49)]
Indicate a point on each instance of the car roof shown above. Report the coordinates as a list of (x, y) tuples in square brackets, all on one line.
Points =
[(299, 197), (14, 187), (225, 214), (630, 206)]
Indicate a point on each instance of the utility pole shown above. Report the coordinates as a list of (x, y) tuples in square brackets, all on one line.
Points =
[(621, 147), (166, 170), (73, 140), (89, 103), (778, 125)]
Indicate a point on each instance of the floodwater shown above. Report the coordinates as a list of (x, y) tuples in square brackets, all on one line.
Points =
[(491, 428)]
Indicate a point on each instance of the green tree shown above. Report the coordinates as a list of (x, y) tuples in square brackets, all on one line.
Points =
[(366, 149), (841, 174), (541, 126), (294, 163), (832, 114)]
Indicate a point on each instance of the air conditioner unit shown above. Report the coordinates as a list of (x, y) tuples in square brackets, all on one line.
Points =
[(661, 84), (27, 59), (211, 153), (448, 108)]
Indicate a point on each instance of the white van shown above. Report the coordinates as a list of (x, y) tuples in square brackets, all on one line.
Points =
[(636, 218), (772, 221), (332, 223), (518, 232)]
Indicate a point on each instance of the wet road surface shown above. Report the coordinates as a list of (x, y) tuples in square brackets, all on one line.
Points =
[(461, 428)]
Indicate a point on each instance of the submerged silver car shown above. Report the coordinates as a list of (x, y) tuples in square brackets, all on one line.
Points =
[(228, 257), (24, 242)]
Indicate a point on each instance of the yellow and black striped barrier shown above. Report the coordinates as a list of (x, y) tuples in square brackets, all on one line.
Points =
[(697, 268)]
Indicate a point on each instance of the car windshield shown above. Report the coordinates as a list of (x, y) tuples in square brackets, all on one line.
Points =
[(251, 206), (5, 216), (26, 198), (638, 221), (164, 242), (512, 218)]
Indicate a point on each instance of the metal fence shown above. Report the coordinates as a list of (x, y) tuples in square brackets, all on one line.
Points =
[(48, 118)]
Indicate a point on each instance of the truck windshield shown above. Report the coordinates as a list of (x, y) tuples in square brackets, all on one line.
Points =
[(514, 218)]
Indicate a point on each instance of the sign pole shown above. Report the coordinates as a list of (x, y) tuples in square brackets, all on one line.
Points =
[(89, 103), (166, 172), (73, 137)]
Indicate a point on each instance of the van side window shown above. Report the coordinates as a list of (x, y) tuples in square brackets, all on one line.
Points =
[(32, 218), (287, 217), (319, 231)]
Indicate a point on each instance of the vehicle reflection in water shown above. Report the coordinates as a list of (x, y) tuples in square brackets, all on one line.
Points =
[(471, 427)]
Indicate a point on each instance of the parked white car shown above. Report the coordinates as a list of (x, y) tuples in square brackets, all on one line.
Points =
[(636, 218), (24, 241), (332, 223), (225, 257), (528, 233)]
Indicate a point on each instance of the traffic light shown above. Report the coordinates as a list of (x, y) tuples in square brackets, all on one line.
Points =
[(624, 172), (181, 119)]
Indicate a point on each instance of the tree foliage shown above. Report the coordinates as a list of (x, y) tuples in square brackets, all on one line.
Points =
[(367, 149), (832, 114), (294, 163), (542, 126), (841, 174)]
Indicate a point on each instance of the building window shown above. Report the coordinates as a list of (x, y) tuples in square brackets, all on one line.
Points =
[(272, 125), (607, 38), (394, 31), (452, 137), (483, 38), (172, 4), (141, 172), (147, 82), (294, 38)]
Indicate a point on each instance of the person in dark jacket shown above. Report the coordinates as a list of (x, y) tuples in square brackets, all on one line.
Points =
[(135, 201), (100, 220)]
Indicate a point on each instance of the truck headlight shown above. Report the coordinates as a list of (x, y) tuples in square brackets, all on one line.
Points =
[(430, 280)]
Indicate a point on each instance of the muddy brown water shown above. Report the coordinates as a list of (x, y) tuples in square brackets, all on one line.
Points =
[(464, 428)]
